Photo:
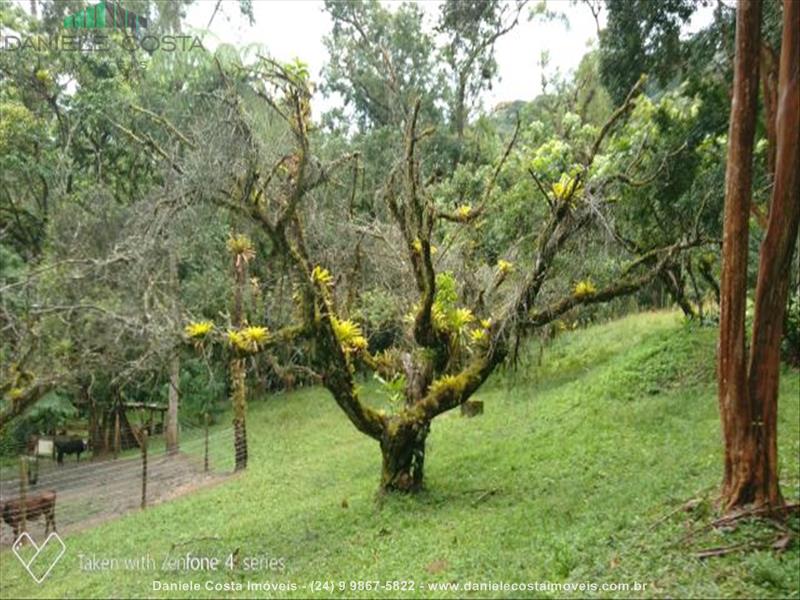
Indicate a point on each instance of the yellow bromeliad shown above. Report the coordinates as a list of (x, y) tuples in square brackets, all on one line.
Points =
[(584, 289), (460, 318), (349, 334), (256, 335), (444, 382), (438, 316), (566, 187), (241, 246), (417, 245), (248, 339), (453, 320), (198, 329), (504, 266), (478, 336), (322, 276)]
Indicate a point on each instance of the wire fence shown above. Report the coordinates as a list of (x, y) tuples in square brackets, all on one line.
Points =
[(95, 489)]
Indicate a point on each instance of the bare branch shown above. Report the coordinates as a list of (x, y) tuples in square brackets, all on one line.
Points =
[(621, 111)]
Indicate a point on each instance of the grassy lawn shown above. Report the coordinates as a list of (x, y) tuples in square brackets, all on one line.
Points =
[(573, 474)]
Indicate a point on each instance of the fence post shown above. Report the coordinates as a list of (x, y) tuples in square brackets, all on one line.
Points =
[(33, 469), (205, 451), (144, 468), (23, 488), (117, 440)]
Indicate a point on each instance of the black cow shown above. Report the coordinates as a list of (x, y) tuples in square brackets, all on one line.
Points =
[(68, 445)]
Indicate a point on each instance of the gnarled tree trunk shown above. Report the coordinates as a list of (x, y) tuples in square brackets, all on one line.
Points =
[(676, 286), (403, 450), (403, 438)]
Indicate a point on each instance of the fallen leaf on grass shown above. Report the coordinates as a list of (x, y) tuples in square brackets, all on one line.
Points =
[(436, 566)]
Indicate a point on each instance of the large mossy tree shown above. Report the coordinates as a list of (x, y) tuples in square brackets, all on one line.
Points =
[(450, 348)]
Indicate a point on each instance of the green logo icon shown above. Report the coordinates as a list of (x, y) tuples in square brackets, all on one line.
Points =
[(105, 15)]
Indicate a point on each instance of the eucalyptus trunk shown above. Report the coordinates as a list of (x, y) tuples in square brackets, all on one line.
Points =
[(734, 404), (753, 478)]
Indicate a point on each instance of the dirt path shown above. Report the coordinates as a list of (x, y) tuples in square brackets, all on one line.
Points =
[(91, 492)]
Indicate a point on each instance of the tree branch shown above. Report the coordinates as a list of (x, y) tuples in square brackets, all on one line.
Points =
[(625, 287), (616, 116), (22, 401)]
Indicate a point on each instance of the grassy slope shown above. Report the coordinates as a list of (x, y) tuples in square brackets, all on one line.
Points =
[(567, 477)]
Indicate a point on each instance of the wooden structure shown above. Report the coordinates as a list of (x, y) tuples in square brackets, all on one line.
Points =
[(149, 425), (472, 408), (114, 432)]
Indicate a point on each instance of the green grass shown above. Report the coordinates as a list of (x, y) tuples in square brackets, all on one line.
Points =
[(573, 474)]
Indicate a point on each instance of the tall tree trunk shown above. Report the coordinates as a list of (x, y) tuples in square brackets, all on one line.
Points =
[(460, 112), (761, 486), (171, 432), (95, 426), (769, 78), (732, 368), (698, 296), (676, 286), (239, 401), (708, 277), (237, 368)]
